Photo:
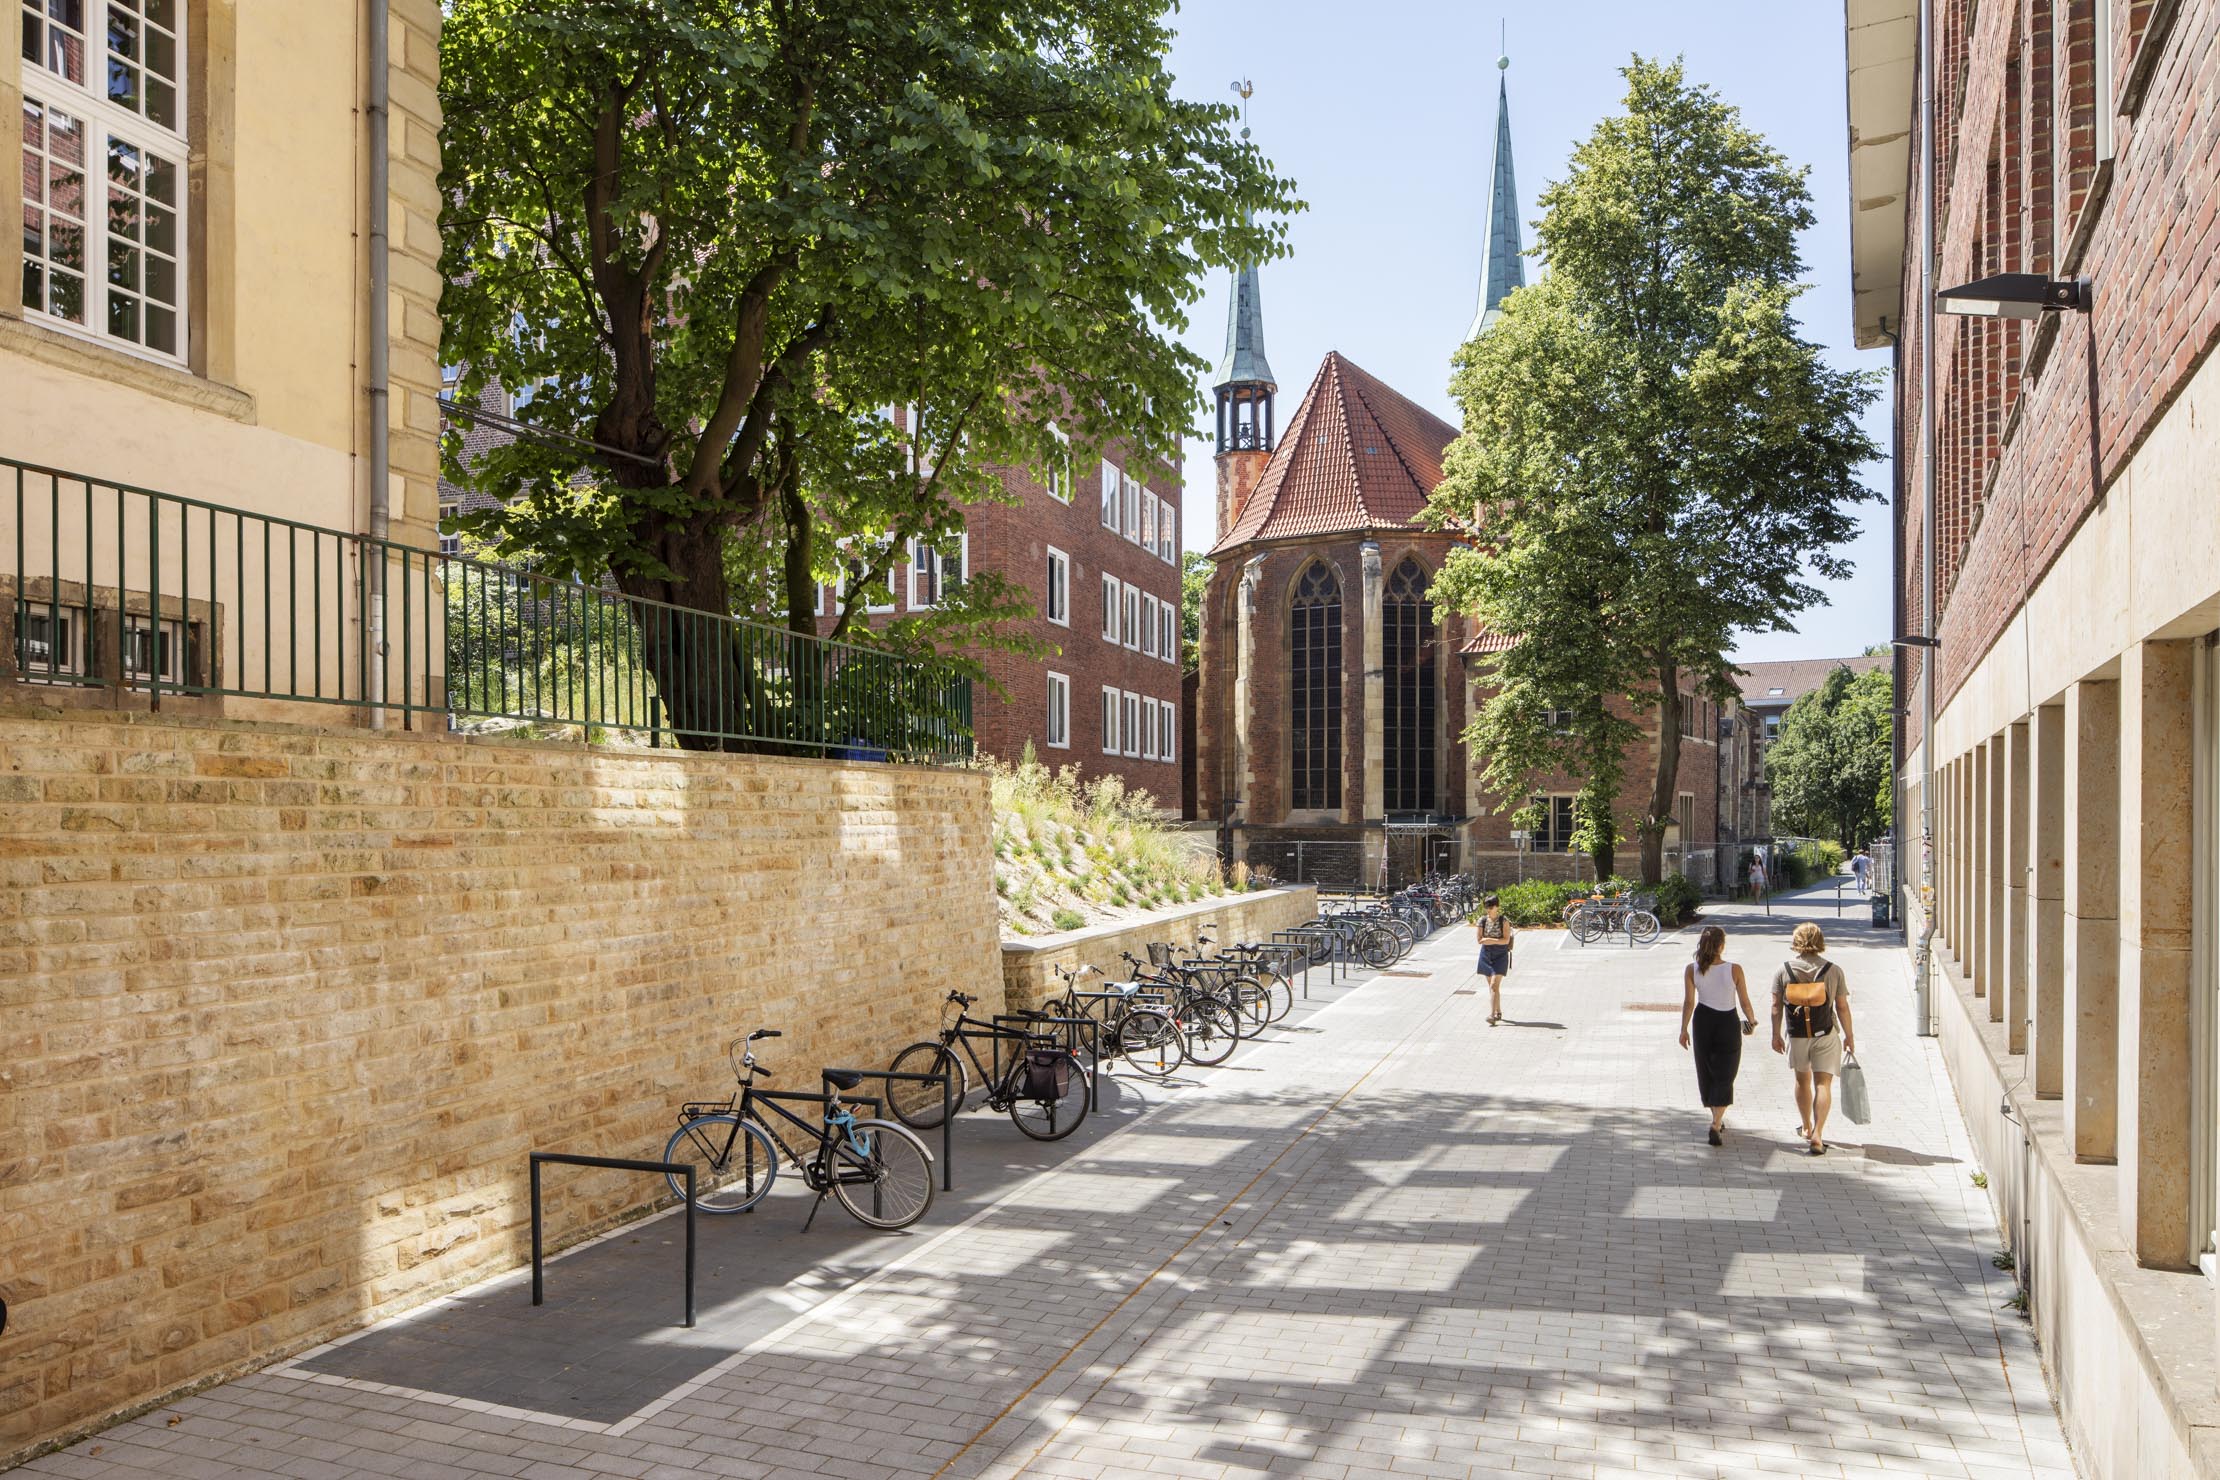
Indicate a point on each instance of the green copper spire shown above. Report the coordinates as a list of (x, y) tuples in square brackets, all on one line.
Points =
[(1501, 266), (1244, 362)]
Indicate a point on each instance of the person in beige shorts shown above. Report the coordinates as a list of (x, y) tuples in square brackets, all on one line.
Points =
[(1811, 1024)]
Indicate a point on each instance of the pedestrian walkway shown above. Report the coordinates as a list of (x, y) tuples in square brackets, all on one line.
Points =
[(1391, 1240)]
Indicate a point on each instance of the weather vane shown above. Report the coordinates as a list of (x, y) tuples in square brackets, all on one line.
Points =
[(1247, 89)]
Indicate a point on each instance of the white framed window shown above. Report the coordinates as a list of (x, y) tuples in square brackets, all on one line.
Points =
[(1109, 720), (1148, 626), (1130, 723), (935, 572), (1132, 626), (1148, 521), (450, 543), (1056, 599), (1167, 534), (1167, 635), (1133, 509), (154, 649), (1148, 729), (852, 574), (1059, 711), (1056, 477), (1110, 484), (49, 641), (1111, 598), (104, 170), (1167, 726)]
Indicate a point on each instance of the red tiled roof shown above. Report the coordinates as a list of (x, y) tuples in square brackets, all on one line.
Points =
[(1795, 677), (1357, 455), (1484, 641)]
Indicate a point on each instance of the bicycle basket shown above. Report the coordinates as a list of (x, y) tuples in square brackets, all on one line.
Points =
[(1047, 1074), (1160, 953)]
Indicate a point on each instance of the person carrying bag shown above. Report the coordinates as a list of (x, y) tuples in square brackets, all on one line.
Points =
[(1812, 1025)]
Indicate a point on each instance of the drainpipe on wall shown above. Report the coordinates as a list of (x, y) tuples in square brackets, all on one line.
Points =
[(380, 369), (1923, 977)]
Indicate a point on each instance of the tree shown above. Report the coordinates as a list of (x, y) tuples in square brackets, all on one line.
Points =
[(1652, 459), (1194, 585), (717, 240), (1830, 765)]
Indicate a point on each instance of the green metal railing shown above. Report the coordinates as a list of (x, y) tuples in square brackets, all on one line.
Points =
[(107, 585)]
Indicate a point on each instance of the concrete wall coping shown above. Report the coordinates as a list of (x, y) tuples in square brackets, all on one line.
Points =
[(1065, 939)]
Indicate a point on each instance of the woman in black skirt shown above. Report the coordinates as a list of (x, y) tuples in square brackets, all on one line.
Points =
[(1712, 990)]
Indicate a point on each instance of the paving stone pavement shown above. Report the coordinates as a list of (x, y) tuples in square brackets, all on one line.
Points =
[(1393, 1241)]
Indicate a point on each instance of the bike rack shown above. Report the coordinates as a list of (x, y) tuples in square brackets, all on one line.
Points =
[(947, 1110), (1071, 1045), (614, 1164)]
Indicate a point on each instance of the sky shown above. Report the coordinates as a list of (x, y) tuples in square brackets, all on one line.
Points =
[(1383, 113)]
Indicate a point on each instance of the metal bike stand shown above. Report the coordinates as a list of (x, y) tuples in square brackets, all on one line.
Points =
[(1094, 1044), (614, 1164), (947, 1110)]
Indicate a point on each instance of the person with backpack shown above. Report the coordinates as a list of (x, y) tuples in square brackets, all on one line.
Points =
[(1711, 990), (1811, 1000), (1495, 954)]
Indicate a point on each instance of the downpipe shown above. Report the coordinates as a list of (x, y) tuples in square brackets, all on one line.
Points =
[(1923, 955), (377, 114)]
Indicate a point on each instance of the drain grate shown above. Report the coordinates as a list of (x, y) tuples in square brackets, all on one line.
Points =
[(1465, 992), (1406, 973), (1653, 1007)]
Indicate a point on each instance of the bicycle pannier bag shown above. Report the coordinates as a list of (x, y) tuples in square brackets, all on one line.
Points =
[(1047, 1073), (1811, 1012)]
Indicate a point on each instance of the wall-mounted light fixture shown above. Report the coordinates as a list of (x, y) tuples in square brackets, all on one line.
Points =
[(1919, 642), (2017, 295)]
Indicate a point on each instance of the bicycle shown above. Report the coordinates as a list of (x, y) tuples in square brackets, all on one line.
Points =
[(1209, 1024), (735, 1151), (1633, 913), (1043, 1088), (1133, 1028)]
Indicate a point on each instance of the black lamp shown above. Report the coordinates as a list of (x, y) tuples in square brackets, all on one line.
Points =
[(2017, 295), (1918, 642)]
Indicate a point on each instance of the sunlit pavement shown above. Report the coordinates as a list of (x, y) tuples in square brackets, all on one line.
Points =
[(1386, 1240)]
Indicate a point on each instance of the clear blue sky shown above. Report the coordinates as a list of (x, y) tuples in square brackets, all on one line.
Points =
[(1383, 112)]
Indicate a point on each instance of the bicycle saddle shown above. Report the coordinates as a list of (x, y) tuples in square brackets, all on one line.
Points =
[(843, 1078)]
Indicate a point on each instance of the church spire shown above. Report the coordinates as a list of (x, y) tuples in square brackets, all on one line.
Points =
[(1501, 266), (1244, 386)]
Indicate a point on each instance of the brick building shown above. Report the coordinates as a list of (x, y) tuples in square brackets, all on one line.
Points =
[(2057, 542), (1332, 696), (1767, 691)]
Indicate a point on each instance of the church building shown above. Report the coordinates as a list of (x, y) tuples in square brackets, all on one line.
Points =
[(1332, 697)]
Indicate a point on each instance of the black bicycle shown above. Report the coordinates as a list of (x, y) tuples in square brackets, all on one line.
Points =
[(1042, 1085), (881, 1173), (1133, 1028)]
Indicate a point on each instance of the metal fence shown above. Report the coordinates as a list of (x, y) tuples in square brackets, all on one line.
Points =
[(104, 585), (1330, 865)]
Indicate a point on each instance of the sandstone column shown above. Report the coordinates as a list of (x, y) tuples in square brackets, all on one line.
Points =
[(1961, 848), (2046, 900), (2156, 847), (2092, 945), (1978, 923), (1995, 858), (2012, 984), (1375, 717)]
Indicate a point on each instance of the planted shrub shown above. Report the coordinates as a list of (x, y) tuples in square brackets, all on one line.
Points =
[(1067, 918)]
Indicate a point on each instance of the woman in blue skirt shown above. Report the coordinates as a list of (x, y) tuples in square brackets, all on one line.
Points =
[(1495, 955)]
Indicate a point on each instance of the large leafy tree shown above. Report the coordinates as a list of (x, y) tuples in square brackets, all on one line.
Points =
[(718, 239), (1654, 459), (1829, 767)]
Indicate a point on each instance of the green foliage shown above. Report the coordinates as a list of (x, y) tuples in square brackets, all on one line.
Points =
[(1194, 581), (1066, 918), (1653, 459), (1069, 853), (714, 238), (1538, 901), (1830, 765), (1677, 900)]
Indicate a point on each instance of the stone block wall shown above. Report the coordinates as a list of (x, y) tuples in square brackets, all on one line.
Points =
[(281, 1011), (1028, 975)]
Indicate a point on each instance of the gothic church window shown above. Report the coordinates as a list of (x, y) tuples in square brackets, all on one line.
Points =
[(1407, 657), (1314, 691)]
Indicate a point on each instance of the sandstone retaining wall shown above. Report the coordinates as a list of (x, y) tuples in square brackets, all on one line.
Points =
[(1027, 966), (281, 1011)]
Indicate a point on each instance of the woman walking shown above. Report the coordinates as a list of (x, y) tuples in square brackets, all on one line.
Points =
[(1712, 989), (1811, 994), (1495, 955)]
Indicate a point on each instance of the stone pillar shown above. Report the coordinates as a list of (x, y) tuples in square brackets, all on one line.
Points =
[(1976, 960), (1375, 711), (1244, 601), (1995, 922), (2012, 985), (2046, 901), (2092, 945), (2157, 843), (1961, 847)]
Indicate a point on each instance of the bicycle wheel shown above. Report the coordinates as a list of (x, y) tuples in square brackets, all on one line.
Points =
[(1376, 948), (1054, 1118), (892, 1186), (919, 1105), (731, 1173), (1587, 926), (1280, 995), (1254, 1001), (1641, 927), (1212, 1030), (1150, 1043)]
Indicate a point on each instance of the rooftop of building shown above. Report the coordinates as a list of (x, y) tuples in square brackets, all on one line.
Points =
[(1779, 684)]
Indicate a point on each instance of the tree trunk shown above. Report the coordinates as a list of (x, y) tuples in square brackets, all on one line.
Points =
[(1664, 786), (698, 662)]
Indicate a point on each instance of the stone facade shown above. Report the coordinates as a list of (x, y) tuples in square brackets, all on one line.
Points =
[(282, 1011)]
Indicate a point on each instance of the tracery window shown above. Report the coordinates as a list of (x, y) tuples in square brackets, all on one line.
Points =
[(1314, 691), (1412, 704)]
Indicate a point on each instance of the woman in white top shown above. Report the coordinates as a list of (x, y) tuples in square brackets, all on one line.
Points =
[(1712, 990)]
